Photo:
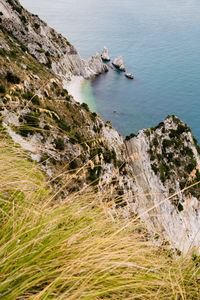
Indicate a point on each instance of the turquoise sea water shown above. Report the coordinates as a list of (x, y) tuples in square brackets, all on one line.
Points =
[(160, 43)]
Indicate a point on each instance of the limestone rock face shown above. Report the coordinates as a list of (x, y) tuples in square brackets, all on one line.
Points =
[(165, 160), (46, 44), (96, 65), (118, 63), (105, 55)]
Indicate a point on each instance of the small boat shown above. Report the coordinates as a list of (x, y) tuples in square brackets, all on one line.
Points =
[(129, 75)]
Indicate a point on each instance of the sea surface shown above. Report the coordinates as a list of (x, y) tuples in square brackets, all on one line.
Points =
[(160, 43)]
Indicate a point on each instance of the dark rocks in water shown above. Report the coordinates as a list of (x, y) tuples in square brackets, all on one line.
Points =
[(129, 75)]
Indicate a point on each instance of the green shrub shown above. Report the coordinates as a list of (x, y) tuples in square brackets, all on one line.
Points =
[(68, 98), (190, 167), (167, 143), (48, 64), (95, 152), (85, 106), (147, 132), (46, 127), (78, 137), (93, 116), (161, 124), (24, 48), (12, 78), (181, 129), (155, 142), (59, 144), (155, 169), (180, 207), (63, 125), (128, 137), (162, 170), (177, 162), (37, 26), (107, 156), (23, 19), (47, 53), (35, 100), (2, 52), (31, 96), (73, 164), (182, 185), (2, 89)]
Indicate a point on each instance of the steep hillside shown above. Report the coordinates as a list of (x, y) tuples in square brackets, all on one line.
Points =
[(148, 175), (166, 161), (44, 119), (45, 44), (73, 249)]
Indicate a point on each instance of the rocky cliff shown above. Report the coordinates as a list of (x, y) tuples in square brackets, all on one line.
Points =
[(41, 116), (147, 175), (165, 161), (45, 44)]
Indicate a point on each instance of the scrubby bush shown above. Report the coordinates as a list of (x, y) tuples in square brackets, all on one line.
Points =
[(128, 137), (32, 119), (37, 26), (48, 64), (23, 19), (93, 116), (85, 106), (46, 127), (147, 132), (2, 89), (31, 96), (155, 142), (59, 144), (12, 78), (24, 48), (73, 164), (31, 124), (167, 143), (63, 125)]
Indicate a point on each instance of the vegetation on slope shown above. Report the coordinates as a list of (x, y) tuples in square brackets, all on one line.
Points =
[(75, 249), (35, 105)]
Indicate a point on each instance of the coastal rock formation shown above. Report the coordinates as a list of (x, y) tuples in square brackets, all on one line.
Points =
[(45, 44), (164, 161), (105, 55), (129, 75), (118, 63), (96, 65)]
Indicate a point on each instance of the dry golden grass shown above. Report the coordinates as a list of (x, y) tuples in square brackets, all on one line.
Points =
[(73, 249)]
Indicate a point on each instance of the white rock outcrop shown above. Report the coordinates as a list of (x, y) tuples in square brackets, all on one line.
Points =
[(118, 63), (167, 211), (96, 65), (105, 55)]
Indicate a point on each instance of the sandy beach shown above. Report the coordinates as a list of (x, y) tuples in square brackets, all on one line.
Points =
[(74, 87)]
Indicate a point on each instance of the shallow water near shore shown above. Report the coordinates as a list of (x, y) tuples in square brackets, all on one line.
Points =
[(87, 95), (159, 41)]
